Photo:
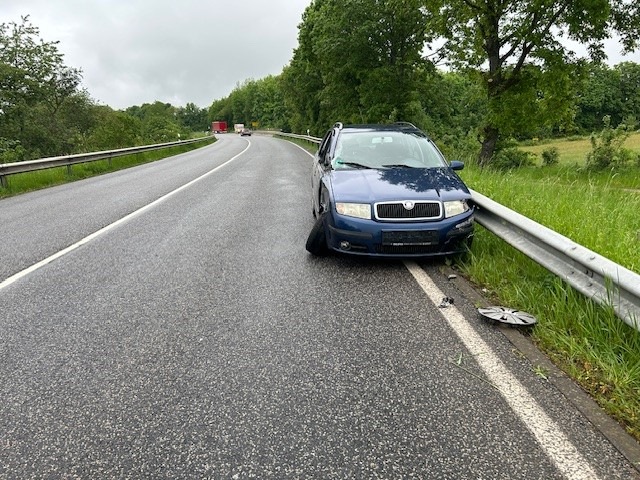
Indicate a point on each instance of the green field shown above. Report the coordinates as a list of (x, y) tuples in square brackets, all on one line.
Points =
[(574, 151), (596, 210), (590, 211)]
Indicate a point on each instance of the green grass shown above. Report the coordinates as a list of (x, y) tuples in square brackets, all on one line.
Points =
[(587, 341), (25, 182), (589, 210), (308, 146)]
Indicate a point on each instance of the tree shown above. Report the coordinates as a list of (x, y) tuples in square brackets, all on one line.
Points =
[(504, 38), (629, 74), (454, 106), (357, 61), (220, 110), (267, 103), (34, 83), (114, 129), (159, 122), (302, 79), (193, 118), (160, 129), (598, 97)]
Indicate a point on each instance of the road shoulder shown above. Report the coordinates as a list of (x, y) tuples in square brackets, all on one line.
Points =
[(582, 401)]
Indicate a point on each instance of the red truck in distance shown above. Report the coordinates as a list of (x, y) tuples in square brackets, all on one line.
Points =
[(218, 127)]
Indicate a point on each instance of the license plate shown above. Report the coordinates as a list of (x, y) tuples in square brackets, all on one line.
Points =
[(410, 237)]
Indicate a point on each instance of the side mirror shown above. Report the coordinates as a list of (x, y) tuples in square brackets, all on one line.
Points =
[(456, 165)]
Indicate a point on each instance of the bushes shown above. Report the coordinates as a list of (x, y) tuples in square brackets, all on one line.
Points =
[(550, 156), (511, 157), (11, 151), (607, 147)]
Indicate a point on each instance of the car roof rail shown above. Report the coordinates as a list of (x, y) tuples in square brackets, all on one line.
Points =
[(405, 124)]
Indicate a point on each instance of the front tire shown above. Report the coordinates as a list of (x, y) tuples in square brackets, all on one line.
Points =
[(317, 239)]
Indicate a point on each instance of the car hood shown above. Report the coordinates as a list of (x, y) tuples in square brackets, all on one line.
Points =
[(373, 185)]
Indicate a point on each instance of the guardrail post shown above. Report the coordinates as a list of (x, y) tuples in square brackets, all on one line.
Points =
[(4, 181)]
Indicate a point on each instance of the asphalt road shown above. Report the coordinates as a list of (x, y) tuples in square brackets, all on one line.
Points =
[(193, 336)]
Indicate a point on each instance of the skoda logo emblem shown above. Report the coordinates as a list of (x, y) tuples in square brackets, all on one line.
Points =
[(408, 205)]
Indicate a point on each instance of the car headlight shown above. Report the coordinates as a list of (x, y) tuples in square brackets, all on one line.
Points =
[(358, 210), (456, 207)]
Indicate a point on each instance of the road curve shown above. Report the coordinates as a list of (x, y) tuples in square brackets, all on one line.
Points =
[(198, 339)]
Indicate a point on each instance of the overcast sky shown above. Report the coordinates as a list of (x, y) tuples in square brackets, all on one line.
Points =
[(138, 51)]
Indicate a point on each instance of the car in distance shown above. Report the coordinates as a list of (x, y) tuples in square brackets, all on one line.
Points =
[(245, 132), (387, 190)]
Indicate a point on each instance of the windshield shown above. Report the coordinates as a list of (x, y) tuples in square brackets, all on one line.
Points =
[(385, 149)]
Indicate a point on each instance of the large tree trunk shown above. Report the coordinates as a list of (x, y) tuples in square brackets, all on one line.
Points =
[(488, 145)]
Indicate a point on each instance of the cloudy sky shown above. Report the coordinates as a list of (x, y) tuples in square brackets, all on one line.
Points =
[(138, 51)]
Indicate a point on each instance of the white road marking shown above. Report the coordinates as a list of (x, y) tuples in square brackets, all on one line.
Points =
[(14, 278), (303, 149), (555, 444)]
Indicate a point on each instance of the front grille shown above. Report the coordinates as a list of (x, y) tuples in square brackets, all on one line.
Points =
[(398, 211)]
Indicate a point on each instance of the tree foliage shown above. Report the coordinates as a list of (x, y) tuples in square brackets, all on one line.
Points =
[(520, 47), (599, 97), (357, 61), (192, 117), (34, 85), (45, 112), (511, 75), (254, 102)]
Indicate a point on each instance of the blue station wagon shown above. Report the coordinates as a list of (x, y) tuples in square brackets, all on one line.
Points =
[(386, 190)]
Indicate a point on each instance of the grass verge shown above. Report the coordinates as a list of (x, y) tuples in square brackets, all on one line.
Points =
[(585, 340), (25, 182)]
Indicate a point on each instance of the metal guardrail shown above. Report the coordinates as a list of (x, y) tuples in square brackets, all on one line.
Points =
[(595, 276), (308, 138), (7, 169)]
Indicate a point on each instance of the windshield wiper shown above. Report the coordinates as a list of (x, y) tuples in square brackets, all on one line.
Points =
[(399, 165), (354, 165)]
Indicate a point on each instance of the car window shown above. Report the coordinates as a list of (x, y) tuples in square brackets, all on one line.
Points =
[(385, 150), (426, 151)]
